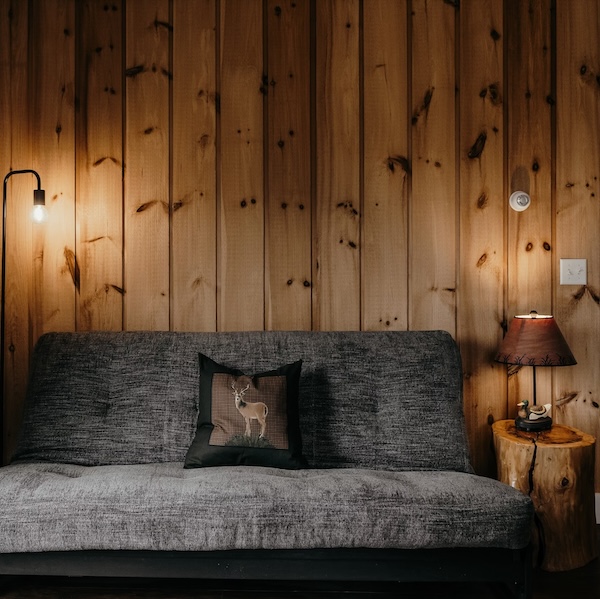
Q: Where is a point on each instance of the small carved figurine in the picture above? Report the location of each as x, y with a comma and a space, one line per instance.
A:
534, 418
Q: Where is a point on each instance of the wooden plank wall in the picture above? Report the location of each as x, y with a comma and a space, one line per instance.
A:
482, 209
302, 164
577, 209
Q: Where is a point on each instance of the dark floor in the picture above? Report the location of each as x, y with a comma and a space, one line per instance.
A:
582, 583
199, 590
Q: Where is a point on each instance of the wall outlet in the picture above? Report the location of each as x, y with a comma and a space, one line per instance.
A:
573, 271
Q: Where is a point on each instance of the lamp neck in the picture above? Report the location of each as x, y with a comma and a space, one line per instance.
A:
22, 172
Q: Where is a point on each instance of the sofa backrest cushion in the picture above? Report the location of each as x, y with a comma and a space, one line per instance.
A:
382, 400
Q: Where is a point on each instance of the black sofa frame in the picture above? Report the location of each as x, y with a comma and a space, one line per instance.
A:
485, 565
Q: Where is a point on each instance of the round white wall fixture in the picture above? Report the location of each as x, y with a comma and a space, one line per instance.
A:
519, 201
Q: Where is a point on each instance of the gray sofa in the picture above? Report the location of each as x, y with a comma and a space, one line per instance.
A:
382, 491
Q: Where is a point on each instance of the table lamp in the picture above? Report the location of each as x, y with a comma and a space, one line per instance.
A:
534, 340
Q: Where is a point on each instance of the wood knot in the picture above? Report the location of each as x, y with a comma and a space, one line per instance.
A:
495, 97
401, 161
477, 148
134, 71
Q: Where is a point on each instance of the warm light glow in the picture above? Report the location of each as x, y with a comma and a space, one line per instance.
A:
39, 214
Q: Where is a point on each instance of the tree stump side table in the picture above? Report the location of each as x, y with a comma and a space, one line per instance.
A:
556, 469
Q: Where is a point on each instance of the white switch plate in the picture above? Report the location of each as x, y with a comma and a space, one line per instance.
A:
573, 271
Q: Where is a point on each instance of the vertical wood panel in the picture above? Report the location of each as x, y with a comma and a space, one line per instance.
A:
99, 165
337, 211
194, 245
386, 167
146, 218
241, 241
288, 210
482, 209
53, 136
577, 388
529, 169
15, 154
433, 237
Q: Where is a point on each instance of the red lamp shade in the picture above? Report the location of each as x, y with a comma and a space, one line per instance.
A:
534, 340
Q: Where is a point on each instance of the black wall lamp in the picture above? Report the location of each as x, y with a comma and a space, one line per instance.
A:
38, 215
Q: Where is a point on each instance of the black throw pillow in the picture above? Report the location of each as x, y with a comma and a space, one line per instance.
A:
247, 420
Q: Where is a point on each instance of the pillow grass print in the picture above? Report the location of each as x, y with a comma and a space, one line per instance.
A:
247, 420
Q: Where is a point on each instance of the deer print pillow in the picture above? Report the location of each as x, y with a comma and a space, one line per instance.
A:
247, 419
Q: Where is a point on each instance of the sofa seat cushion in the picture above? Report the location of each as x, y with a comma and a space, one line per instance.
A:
62, 507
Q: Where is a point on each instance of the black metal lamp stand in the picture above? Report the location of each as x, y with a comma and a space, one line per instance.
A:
39, 201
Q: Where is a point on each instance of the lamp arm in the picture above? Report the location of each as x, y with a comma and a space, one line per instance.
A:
27, 170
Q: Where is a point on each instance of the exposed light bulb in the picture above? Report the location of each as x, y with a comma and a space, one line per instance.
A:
39, 214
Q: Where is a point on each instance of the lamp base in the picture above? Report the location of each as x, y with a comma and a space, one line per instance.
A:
533, 426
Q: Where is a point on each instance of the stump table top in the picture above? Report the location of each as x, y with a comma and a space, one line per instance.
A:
558, 435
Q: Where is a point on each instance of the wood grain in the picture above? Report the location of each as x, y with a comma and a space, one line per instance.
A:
99, 168
577, 388
56, 276
194, 182
387, 168
288, 301
146, 181
336, 223
482, 210
241, 228
433, 212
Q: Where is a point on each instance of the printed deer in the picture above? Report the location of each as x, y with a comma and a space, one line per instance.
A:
250, 411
